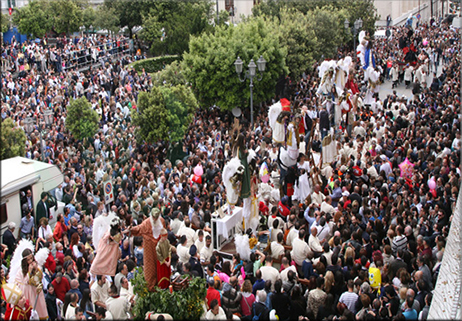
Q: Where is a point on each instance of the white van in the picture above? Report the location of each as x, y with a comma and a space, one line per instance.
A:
19, 175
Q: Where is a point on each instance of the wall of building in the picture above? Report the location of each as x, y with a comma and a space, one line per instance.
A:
400, 10
241, 8
446, 303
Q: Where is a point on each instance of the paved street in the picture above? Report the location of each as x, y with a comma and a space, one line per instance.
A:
385, 88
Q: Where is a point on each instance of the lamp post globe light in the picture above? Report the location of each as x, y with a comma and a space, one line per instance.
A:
251, 74
358, 24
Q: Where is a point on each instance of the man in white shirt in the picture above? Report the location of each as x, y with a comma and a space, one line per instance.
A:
287, 267
277, 249
300, 250
293, 234
317, 197
327, 207
216, 312
207, 251
117, 305
99, 291
188, 231
268, 272
182, 250
313, 241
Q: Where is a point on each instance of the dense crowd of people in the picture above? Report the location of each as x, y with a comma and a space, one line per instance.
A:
366, 243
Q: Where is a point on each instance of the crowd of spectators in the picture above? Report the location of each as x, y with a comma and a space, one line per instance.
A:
62, 54
312, 258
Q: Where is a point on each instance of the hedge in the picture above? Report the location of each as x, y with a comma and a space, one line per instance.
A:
155, 64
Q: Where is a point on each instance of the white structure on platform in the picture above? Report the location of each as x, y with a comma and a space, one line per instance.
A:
447, 301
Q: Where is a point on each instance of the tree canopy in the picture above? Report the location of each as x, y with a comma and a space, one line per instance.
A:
209, 64
351, 9
33, 19
164, 113
82, 121
168, 25
13, 140
4, 23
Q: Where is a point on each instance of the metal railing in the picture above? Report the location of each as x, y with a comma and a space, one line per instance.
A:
81, 59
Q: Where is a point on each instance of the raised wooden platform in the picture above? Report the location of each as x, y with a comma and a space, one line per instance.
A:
228, 250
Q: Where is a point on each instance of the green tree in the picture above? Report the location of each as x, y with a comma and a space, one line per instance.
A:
130, 12
172, 75
326, 22
164, 113
354, 9
107, 19
297, 33
33, 19
89, 16
13, 140
5, 23
168, 25
67, 15
209, 64
82, 121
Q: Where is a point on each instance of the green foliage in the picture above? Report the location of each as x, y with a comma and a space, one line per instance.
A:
209, 65
5, 23
171, 75
181, 305
129, 13
298, 35
67, 15
327, 22
39, 16
164, 113
169, 25
106, 18
13, 140
153, 64
82, 120
33, 18
89, 16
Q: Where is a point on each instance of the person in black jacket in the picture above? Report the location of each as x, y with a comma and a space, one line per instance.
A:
231, 297
324, 123
259, 307
50, 300
9, 239
280, 302
194, 261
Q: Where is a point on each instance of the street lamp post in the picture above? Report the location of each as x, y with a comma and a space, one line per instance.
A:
29, 127
250, 74
356, 27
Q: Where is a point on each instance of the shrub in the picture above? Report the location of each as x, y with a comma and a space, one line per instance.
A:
155, 64
181, 305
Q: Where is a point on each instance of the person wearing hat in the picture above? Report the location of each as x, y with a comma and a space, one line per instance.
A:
150, 229
18, 307
164, 255
194, 261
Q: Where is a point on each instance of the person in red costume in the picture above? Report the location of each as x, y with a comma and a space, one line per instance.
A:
351, 84
18, 307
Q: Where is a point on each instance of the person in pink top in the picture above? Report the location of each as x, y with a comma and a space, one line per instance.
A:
247, 298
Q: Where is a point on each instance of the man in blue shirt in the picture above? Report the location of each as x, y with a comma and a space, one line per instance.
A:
26, 228
410, 313
259, 283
